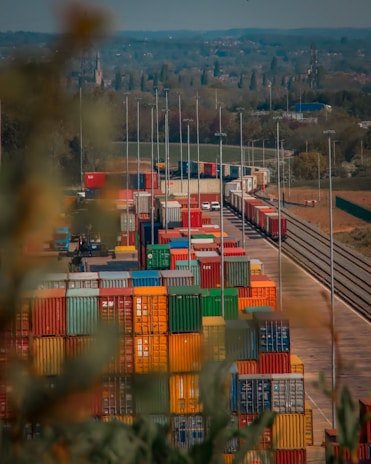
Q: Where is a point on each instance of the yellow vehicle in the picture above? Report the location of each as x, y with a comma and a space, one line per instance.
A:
160, 165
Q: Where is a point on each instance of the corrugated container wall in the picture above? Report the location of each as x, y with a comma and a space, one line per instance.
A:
127, 221
289, 431
273, 333
48, 355
184, 394
241, 340
152, 394
187, 431
151, 353
170, 214
115, 396
147, 278
82, 311
230, 303
195, 268
274, 363
288, 393
158, 256
185, 352
177, 278
214, 343
116, 305
184, 309
254, 393
83, 280
237, 271
48, 308
210, 272
113, 279
150, 310
294, 456
123, 361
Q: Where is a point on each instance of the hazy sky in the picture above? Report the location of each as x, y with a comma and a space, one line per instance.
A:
38, 15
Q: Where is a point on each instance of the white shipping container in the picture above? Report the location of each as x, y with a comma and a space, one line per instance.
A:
288, 393
83, 280
127, 221
142, 201
229, 186
206, 186
171, 213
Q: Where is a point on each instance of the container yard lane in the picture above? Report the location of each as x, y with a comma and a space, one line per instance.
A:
307, 305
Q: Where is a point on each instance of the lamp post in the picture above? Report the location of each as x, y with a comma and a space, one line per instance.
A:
221, 134
264, 152
157, 138
198, 152
189, 193
152, 183
81, 149
270, 96
181, 142
240, 110
127, 165
330, 132
252, 151
138, 156
166, 156
319, 176
279, 216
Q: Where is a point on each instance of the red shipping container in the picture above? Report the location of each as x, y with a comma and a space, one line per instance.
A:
205, 247
290, 456
362, 451
195, 217
123, 194
274, 363
228, 242
129, 239
14, 347
20, 325
249, 207
123, 361
184, 202
243, 292
116, 305
143, 258
5, 401
77, 346
206, 220
48, 309
233, 251
95, 180
210, 272
365, 410
273, 227
261, 214
114, 397
209, 169
165, 237
266, 438
180, 254
247, 367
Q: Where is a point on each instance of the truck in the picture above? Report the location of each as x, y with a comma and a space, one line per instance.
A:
61, 238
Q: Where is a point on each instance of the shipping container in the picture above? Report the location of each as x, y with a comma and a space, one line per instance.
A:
208, 188
48, 355
122, 362
179, 243
230, 303
53, 280
297, 365
214, 339
308, 424
365, 419
150, 310
142, 202
233, 444
78, 280
237, 270
123, 419
185, 309
273, 226
185, 352
184, 394
235, 251
82, 311
113, 279
187, 431
210, 272
195, 215
115, 396
170, 214
78, 346
254, 393
288, 431
256, 267
151, 353
147, 278
129, 239
257, 457
247, 367
116, 305
241, 339
145, 231
291, 456
177, 278
263, 287
180, 255
265, 442
95, 180
210, 170
6, 410
165, 237
274, 363
158, 257
127, 221
151, 394
204, 247
288, 393
273, 333
48, 308
195, 268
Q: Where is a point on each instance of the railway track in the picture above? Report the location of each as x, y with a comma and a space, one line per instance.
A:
309, 247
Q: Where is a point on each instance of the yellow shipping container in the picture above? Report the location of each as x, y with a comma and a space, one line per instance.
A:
288, 431
308, 424
150, 353
185, 352
244, 302
213, 346
48, 355
297, 365
123, 419
256, 267
228, 458
184, 394
257, 457
150, 308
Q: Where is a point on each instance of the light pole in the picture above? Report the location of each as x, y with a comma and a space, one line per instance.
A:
263, 152
81, 149
252, 151
240, 110
152, 183
198, 152
330, 132
319, 176
181, 143
270, 96
221, 134
279, 217
166, 156
157, 139
127, 165
189, 193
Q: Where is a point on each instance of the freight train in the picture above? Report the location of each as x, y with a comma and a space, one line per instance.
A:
258, 213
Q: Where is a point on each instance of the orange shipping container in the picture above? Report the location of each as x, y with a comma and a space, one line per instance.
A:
150, 353
179, 254
288, 431
77, 346
245, 302
48, 355
263, 288
150, 310
297, 365
123, 361
213, 344
247, 367
185, 352
184, 394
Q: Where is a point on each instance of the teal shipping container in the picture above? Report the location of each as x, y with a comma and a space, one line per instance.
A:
152, 394
237, 271
241, 340
213, 306
195, 268
185, 309
82, 311
158, 257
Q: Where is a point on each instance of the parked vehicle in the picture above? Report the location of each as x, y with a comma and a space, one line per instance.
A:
61, 239
215, 206
205, 206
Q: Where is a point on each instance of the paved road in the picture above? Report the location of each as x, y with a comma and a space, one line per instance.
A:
307, 304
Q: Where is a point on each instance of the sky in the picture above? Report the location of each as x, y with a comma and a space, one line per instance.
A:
197, 15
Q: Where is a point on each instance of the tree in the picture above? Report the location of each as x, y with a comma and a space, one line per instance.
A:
216, 68
204, 78
142, 83
252, 85
240, 84
131, 84
118, 80
274, 66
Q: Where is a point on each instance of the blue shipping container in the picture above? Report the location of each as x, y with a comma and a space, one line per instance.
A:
145, 233
187, 431
254, 393
273, 333
146, 278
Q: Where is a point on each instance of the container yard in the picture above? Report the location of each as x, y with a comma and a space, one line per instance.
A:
175, 315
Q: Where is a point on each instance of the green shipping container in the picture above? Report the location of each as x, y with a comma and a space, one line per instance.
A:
203, 236
195, 268
237, 271
258, 309
230, 303
82, 311
185, 309
151, 394
158, 257
206, 303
